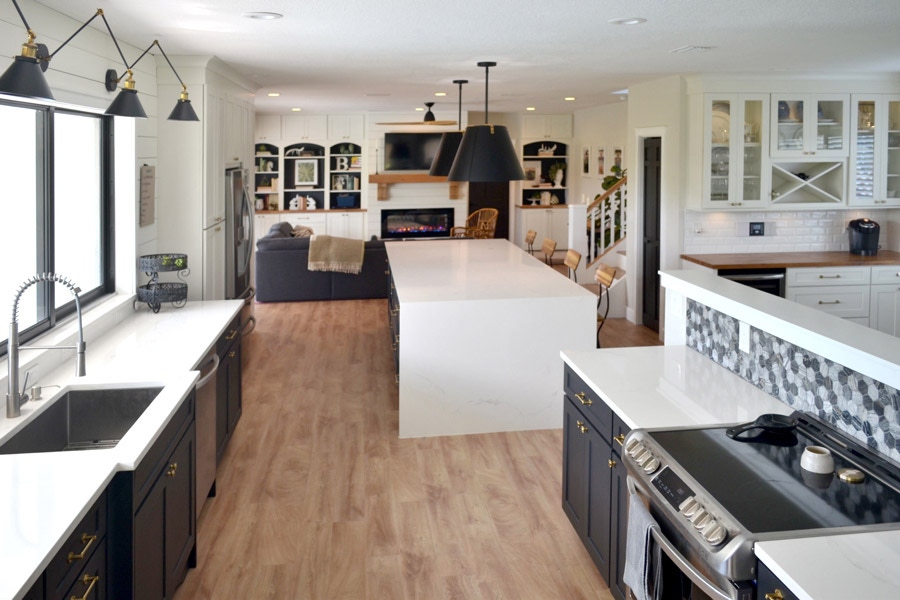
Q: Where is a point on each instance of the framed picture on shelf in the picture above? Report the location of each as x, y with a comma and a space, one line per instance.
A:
532, 170
586, 160
306, 172
600, 167
355, 163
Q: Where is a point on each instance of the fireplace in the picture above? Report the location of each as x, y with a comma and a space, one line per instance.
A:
416, 223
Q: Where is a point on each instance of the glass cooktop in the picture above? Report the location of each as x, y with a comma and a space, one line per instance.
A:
762, 485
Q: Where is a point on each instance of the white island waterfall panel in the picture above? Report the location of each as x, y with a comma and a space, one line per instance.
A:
482, 324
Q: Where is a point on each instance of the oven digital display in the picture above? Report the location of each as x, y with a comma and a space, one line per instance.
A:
673, 489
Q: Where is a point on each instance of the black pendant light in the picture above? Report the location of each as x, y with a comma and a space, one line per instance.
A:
450, 141
429, 116
486, 153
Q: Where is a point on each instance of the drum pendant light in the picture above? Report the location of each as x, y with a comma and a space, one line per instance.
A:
450, 141
486, 153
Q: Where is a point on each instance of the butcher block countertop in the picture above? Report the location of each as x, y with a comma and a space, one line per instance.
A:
792, 259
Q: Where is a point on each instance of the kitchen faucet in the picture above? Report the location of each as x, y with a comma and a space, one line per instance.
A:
15, 400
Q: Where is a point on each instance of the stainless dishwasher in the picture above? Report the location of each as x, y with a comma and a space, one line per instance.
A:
206, 427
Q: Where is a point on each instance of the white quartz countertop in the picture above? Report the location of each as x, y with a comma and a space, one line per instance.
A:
44, 496
670, 386
856, 565
454, 270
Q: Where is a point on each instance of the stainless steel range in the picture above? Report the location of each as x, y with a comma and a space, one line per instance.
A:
715, 495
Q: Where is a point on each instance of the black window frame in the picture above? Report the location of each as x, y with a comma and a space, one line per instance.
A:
45, 219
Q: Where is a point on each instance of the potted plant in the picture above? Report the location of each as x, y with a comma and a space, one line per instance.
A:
557, 169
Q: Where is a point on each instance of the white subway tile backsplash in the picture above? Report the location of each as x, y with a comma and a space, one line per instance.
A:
788, 231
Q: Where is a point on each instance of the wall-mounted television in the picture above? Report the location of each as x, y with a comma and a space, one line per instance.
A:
410, 151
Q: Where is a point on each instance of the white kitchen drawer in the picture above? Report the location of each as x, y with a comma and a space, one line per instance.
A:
886, 274
317, 221
822, 276
843, 301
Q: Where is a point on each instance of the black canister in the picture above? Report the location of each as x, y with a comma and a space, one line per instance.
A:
863, 237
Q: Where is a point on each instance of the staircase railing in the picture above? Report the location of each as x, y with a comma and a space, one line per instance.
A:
606, 224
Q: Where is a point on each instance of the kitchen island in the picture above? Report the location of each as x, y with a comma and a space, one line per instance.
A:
481, 326
44, 496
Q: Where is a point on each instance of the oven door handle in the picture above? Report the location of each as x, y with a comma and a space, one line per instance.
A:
680, 561
757, 277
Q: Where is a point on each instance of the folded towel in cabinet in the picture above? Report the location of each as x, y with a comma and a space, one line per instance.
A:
643, 567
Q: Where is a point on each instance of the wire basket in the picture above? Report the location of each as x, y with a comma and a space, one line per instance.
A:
154, 294
152, 263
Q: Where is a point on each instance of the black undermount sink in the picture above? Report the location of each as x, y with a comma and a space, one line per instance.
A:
82, 420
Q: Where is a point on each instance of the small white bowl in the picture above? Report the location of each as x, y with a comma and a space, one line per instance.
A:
817, 459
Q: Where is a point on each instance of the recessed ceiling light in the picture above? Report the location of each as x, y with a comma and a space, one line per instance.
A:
419, 109
273, 94
569, 98
530, 108
627, 21
262, 16
440, 94
296, 109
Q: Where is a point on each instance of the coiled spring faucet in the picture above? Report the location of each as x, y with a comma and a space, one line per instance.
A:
14, 399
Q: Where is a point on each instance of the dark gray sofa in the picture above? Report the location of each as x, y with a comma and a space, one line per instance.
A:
282, 276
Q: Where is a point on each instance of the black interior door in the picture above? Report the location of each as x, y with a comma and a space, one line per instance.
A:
651, 187
492, 195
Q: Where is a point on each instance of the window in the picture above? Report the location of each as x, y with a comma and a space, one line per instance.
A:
55, 211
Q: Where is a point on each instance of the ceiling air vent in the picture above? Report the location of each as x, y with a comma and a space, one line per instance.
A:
687, 49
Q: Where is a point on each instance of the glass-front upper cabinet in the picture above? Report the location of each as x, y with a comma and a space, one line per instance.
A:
875, 151
805, 125
734, 176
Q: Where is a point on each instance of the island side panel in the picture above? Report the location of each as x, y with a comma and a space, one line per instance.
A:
481, 366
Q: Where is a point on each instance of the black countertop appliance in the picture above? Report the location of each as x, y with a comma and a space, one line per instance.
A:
863, 237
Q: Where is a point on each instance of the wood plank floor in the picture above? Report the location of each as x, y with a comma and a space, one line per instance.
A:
319, 499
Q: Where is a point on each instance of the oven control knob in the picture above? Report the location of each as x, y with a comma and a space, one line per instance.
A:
642, 456
636, 449
651, 465
700, 518
714, 533
689, 506
632, 443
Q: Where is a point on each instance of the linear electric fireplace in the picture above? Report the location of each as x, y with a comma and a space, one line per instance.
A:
416, 223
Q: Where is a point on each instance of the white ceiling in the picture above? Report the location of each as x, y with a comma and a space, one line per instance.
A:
393, 55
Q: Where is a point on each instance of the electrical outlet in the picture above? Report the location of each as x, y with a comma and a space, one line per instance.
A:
744, 337
757, 228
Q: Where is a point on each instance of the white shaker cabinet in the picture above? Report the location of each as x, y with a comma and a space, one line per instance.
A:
840, 291
548, 222
735, 134
346, 224
549, 127
346, 128
810, 125
875, 151
884, 308
304, 127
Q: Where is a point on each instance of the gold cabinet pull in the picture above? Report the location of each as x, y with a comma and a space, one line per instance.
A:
581, 426
584, 401
620, 439
172, 468
86, 539
776, 595
90, 581
231, 335
232, 354
611, 463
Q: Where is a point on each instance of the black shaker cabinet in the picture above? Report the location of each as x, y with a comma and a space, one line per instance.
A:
594, 494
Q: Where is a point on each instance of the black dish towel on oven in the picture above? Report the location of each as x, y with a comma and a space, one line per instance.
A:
643, 567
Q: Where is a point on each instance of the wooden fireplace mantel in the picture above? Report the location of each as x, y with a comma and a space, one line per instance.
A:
385, 180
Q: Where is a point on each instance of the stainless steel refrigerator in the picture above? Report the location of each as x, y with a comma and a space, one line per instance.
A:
238, 234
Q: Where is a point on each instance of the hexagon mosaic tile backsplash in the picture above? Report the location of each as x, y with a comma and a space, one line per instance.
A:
857, 405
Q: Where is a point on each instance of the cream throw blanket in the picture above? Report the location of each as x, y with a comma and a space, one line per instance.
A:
342, 255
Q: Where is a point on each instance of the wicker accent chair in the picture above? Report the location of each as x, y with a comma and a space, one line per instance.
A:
481, 224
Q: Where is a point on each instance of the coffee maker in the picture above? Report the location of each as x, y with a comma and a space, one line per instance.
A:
863, 237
